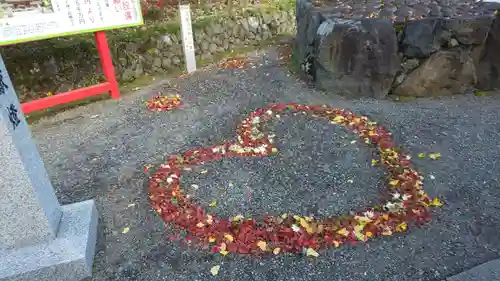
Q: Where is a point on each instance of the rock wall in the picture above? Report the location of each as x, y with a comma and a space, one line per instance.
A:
58, 65
360, 53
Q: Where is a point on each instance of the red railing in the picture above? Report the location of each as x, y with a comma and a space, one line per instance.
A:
110, 86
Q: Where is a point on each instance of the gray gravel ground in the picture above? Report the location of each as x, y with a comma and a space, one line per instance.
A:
98, 151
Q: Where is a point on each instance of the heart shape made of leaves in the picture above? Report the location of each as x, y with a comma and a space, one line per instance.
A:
405, 201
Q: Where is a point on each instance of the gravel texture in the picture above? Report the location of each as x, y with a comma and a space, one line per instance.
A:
401, 10
98, 151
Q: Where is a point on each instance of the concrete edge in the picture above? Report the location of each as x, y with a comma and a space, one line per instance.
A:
69, 257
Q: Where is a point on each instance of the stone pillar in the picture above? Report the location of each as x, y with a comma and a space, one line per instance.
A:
39, 239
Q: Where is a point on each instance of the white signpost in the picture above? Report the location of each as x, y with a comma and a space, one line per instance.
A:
39, 239
51, 18
187, 37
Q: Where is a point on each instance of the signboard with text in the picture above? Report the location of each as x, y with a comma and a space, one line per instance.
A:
187, 37
30, 20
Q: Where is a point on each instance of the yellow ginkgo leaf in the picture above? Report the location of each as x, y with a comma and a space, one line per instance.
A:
374, 162
305, 225
126, 230
401, 227
238, 218
274, 150
223, 252
336, 244
435, 156
343, 231
359, 227
360, 236
276, 251
358, 232
436, 202
215, 270
311, 253
262, 245
421, 155
203, 172
362, 219
284, 216
211, 239
229, 237
393, 182
213, 204
338, 119
368, 234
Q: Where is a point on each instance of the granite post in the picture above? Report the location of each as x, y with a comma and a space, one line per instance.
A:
187, 37
39, 239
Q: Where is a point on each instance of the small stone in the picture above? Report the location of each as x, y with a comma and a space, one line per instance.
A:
176, 60
166, 63
399, 79
167, 40
157, 62
128, 74
245, 25
206, 56
253, 23
447, 11
139, 70
217, 29
205, 45
453, 43
212, 48
410, 64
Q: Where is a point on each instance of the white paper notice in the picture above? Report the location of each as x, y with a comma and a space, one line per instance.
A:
187, 37
45, 19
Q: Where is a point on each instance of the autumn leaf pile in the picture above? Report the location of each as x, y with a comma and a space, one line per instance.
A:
234, 63
405, 202
163, 102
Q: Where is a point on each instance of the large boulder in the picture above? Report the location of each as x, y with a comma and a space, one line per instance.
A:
421, 38
308, 20
446, 72
487, 59
357, 58
361, 50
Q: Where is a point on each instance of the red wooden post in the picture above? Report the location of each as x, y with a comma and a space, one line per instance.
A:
107, 63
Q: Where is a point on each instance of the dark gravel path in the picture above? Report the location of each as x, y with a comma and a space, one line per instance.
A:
99, 151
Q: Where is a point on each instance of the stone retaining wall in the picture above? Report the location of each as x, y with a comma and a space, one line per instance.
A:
373, 48
61, 64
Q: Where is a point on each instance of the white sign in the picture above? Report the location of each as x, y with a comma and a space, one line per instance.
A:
29, 20
187, 37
